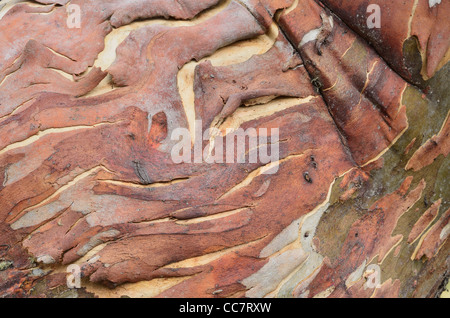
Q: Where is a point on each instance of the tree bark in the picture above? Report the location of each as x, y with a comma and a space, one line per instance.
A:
93, 94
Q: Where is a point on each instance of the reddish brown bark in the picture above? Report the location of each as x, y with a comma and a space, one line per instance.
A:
87, 175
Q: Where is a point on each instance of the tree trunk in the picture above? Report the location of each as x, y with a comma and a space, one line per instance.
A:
315, 163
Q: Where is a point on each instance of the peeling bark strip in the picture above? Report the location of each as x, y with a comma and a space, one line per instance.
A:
363, 94
359, 205
438, 145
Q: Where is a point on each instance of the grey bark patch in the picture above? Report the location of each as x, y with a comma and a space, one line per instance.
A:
4, 265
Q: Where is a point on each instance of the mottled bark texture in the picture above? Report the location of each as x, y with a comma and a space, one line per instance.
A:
86, 174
